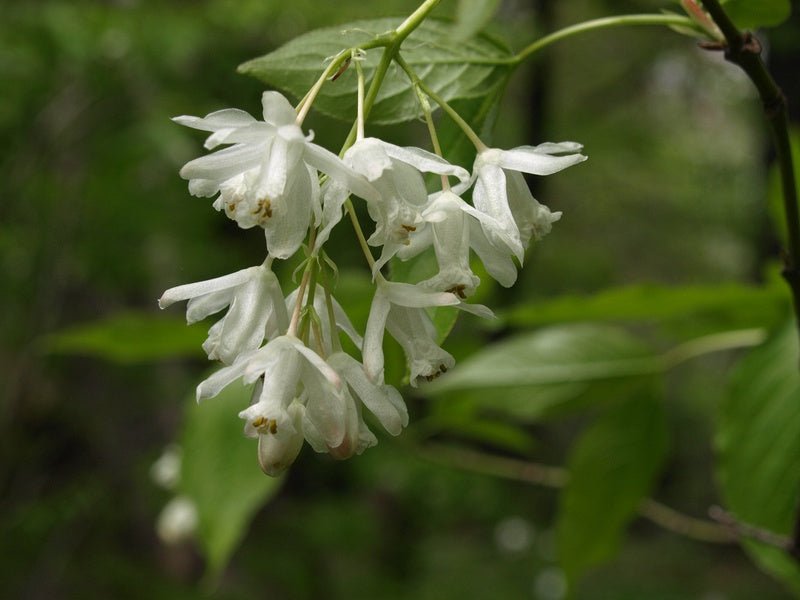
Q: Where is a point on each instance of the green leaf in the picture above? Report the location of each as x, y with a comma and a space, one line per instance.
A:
472, 16
612, 468
546, 373
750, 14
731, 303
565, 355
220, 473
451, 67
502, 436
128, 338
758, 440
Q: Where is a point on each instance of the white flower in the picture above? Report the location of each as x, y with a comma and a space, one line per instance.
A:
455, 227
397, 175
297, 392
177, 521
383, 401
269, 176
501, 192
166, 470
257, 310
400, 308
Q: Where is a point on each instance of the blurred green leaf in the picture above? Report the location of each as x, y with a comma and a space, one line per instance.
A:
724, 302
453, 68
220, 473
543, 374
568, 355
758, 440
750, 14
612, 468
472, 16
128, 337
503, 436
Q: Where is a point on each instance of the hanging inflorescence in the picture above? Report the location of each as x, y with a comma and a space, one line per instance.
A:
271, 175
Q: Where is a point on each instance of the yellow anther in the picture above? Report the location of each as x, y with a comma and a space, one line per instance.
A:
458, 290
263, 209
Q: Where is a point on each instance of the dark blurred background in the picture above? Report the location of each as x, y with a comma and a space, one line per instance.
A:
95, 222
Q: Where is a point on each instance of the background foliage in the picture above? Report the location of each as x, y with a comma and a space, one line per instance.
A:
665, 237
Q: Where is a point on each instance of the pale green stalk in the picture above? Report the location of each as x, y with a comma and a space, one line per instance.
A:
604, 23
451, 112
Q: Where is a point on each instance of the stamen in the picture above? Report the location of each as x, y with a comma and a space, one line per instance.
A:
263, 210
458, 290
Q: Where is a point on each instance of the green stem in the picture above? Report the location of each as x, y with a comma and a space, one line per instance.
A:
362, 240
604, 23
451, 112
744, 50
413, 21
437, 147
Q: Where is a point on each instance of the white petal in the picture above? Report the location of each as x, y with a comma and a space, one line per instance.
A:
276, 452
277, 109
333, 199
222, 119
221, 379
274, 173
372, 350
413, 296
489, 195
531, 160
325, 407
316, 361
479, 310
368, 157
203, 188
246, 320
534, 219
376, 398
497, 261
191, 290
255, 133
291, 216
557, 147
223, 164
201, 307
426, 161
330, 164
419, 241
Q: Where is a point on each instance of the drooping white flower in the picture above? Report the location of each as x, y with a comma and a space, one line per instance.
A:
360, 392
382, 400
454, 228
400, 309
501, 192
177, 521
396, 173
298, 395
268, 177
256, 310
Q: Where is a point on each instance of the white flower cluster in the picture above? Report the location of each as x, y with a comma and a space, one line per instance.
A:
306, 387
